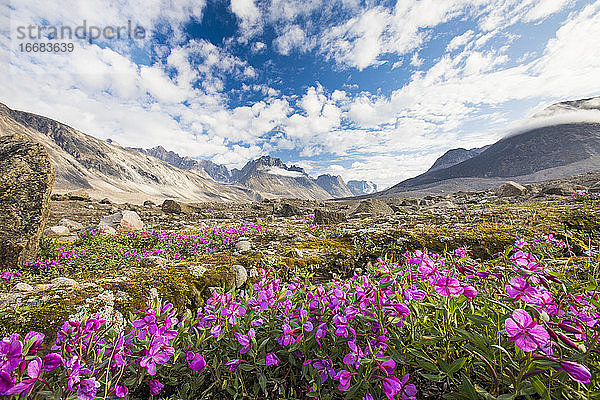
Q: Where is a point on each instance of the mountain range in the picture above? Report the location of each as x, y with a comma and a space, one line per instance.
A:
536, 154
106, 169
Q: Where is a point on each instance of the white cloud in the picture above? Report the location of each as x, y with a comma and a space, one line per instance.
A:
293, 38
249, 16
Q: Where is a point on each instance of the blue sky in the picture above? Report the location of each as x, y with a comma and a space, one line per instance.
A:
372, 90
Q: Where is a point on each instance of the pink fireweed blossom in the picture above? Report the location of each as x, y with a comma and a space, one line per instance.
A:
343, 377
519, 288
197, 362
232, 312
578, 372
525, 332
286, 338
233, 364
158, 353
354, 356
448, 286
271, 360
10, 353
245, 340
145, 325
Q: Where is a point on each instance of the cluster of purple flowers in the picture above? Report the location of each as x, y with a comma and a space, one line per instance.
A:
8, 275
66, 257
343, 336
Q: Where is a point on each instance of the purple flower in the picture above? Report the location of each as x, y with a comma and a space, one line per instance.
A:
197, 362
448, 286
233, 364
325, 369
286, 338
343, 377
257, 322
145, 325
519, 288
155, 387
388, 366
391, 386
34, 368
578, 372
354, 356
6, 382
38, 339
409, 390
321, 332
51, 361
159, 353
232, 312
271, 359
10, 353
121, 391
215, 331
244, 340
87, 389
525, 332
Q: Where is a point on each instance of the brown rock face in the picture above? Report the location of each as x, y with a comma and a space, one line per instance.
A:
26, 179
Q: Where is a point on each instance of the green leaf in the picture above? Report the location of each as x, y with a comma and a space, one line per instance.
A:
540, 388
434, 378
262, 381
478, 319
456, 365
429, 366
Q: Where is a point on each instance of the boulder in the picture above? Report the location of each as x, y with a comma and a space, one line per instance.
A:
287, 210
123, 221
25, 188
373, 207
72, 225
239, 276
152, 261
561, 189
243, 245
80, 194
56, 231
62, 282
511, 189
324, 217
149, 203
595, 188
105, 200
109, 230
175, 207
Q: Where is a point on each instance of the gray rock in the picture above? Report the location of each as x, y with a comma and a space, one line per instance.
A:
243, 246
287, 210
21, 287
324, 217
72, 225
561, 189
175, 207
510, 189
105, 200
595, 188
374, 207
25, 188
80, 194
62, 282
56, 231
123, 221
152, 261
240, 275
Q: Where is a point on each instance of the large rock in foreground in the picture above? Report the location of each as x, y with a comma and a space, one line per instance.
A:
26, 182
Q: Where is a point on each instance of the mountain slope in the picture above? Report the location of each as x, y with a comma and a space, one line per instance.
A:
271, 177
334, 185
109, 170
359, 188
523, 154
455, 156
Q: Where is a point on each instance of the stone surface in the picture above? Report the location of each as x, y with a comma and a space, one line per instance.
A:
510, 189
25, 188
239, 276
287, 210
325, 217
63, 282
561, 189
80, 194
22, 287
56, 231
243, 245
373, 207
123, 221
72, 225
595, 188
176, 207
109, 230
152, 261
